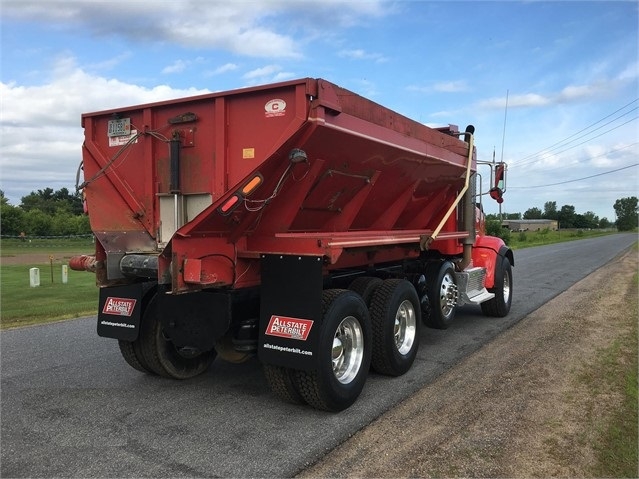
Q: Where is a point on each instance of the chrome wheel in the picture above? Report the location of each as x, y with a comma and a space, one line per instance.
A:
348, 350
506, 288
405, 327
442, 294
448, 294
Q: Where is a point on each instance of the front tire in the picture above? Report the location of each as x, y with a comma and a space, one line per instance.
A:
499, 306
344, 353
395, 316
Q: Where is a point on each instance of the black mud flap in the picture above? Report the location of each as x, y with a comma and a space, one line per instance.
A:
195, 319
119, 312
290, 310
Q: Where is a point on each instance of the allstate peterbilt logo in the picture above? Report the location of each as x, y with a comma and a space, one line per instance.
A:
119, 306
290, 328
275, 107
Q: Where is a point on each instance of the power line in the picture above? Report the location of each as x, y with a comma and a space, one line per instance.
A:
592, 138
565, 140
609, 152
585, 141
578, 179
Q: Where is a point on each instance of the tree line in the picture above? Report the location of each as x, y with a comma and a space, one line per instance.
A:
44, 213
61, 213
626, 212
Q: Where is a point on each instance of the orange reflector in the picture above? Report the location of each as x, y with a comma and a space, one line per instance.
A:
251, 185
230, 203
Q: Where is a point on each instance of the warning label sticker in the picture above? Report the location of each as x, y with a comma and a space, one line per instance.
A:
124, 139
119, 306
290, 328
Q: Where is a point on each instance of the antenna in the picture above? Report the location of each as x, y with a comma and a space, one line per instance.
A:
503, 140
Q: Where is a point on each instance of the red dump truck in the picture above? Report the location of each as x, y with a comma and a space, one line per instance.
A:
297, 221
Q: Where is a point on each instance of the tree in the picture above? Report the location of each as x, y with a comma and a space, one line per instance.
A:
532, 214
38, 223
49, 201
627, 213
566, 216
12, 221
587, 221
550, 210
604, 223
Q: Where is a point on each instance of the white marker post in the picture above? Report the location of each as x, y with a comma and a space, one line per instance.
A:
34, 277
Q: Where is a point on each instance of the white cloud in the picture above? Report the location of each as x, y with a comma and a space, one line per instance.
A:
178, 66
267, 74
359, 54
227, 67
453, 86
256, 29
40, 126
630, 73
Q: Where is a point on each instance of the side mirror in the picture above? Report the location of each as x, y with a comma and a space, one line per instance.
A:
499, 185
500, 176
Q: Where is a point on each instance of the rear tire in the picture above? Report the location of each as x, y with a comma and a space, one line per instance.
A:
132, 355
282, 383
442, 294
344, 353
499, 306
365, 286
162, 356
396, 319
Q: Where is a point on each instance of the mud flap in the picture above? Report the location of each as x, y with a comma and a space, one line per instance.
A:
119, 312
195, 319
290, 310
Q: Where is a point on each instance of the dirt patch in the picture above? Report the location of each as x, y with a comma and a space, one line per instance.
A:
515, 408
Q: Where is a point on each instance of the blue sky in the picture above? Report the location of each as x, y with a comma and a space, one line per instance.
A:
568, 69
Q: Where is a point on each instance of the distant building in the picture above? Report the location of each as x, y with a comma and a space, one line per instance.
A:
530, 225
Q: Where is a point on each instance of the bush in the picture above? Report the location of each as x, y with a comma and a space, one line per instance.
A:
494, 228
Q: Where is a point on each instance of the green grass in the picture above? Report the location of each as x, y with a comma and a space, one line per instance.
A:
526, 239
617, 443
15, 246
23, 305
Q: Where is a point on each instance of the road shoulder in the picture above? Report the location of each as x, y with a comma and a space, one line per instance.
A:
516, 407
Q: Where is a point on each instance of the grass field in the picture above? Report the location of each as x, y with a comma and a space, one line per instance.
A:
14, 246
22, 305
51, 301
527, 239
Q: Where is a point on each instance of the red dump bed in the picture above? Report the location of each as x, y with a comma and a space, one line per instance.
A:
302, 167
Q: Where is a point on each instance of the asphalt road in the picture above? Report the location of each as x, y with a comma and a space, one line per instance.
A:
71, 407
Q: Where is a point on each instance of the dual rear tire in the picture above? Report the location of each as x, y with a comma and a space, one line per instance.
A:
153, 351
374, 323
